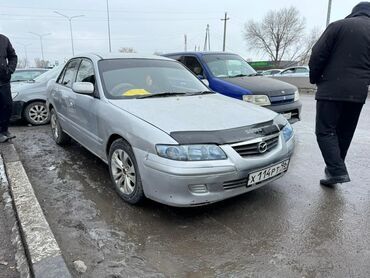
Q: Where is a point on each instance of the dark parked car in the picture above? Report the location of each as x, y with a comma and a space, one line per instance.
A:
29, 98
230, 75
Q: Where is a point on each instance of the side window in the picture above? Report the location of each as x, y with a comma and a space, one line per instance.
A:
301, 70
60, 78
70, 73
193, 64
176, 57
86, 72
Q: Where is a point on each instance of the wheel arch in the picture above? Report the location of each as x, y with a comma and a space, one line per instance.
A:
111, 139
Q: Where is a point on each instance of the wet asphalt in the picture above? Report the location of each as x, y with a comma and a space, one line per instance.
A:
292, 227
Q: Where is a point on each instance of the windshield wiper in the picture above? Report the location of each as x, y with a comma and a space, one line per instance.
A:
238, 75
199, 93
163, 94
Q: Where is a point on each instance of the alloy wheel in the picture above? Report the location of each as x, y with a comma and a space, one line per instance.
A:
123, 171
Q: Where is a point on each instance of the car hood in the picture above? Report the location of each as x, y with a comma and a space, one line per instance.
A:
24, 86
195, 113
262, 85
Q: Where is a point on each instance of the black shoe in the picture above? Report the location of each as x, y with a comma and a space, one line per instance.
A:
9, 135
3, 138
332, 180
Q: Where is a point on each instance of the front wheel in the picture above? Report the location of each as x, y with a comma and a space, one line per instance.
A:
36, 113
124, 172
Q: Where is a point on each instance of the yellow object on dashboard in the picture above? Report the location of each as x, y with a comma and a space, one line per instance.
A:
135, 92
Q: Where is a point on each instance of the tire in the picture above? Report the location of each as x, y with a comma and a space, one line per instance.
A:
59, 136
124, 172
36, 113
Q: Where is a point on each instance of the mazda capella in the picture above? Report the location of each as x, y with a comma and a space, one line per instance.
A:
164, 135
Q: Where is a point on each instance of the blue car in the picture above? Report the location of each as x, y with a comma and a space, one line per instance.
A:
230, 75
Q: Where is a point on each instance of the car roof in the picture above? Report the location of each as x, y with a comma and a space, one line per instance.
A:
118, 55
200, 53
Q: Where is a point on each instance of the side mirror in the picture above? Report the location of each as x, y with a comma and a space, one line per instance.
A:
85, 88
205, 82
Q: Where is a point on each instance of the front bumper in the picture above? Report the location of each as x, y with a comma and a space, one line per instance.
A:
17, 110
169, 182
293, 107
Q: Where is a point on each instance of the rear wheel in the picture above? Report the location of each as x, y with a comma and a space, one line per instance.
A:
124, 172
36, 113
59, 136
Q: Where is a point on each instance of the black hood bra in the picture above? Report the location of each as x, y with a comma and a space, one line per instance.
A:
361, 9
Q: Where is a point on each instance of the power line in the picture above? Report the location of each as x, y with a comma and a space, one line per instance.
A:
114, 11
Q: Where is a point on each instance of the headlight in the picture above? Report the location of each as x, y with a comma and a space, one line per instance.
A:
284, 126
287, 132
191, 152
14, 95
296, 95
261, 100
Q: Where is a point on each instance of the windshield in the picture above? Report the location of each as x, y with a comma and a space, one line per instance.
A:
138, 78
228, 65
50, 74
25, 75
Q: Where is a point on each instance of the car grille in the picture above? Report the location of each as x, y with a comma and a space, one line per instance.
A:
276, 100
252, 147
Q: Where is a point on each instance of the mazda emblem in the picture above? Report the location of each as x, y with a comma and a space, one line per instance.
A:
262, 147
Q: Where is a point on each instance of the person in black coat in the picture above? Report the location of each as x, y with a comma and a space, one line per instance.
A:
340, 67
8, 63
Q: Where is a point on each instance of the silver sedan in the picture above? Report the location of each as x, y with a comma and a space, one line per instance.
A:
164, 135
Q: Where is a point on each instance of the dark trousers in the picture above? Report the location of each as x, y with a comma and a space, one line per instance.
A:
336, 123
6, 103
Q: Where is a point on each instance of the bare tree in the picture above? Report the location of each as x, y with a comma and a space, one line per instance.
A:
41, 63
22, 63
307, 45
127, 50
278, 35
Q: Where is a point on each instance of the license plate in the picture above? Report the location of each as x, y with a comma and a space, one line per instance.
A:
288, 116
267, 173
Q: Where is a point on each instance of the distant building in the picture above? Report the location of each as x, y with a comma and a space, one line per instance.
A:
265, 65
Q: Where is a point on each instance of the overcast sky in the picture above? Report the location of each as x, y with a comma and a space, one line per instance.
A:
145, 25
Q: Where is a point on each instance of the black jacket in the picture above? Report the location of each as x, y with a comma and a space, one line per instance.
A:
8, 60
340, 60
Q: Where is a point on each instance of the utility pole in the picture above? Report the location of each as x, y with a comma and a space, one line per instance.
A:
109, 40
185, 42
209, 38
70, 26
329, 13
206, 40
225, 19
41, 36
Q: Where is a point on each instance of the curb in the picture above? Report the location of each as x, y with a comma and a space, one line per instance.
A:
42, 250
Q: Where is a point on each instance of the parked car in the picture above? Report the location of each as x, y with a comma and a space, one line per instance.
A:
300, 71
230, 75
164, 135
29, 98
21, 75
271, 72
